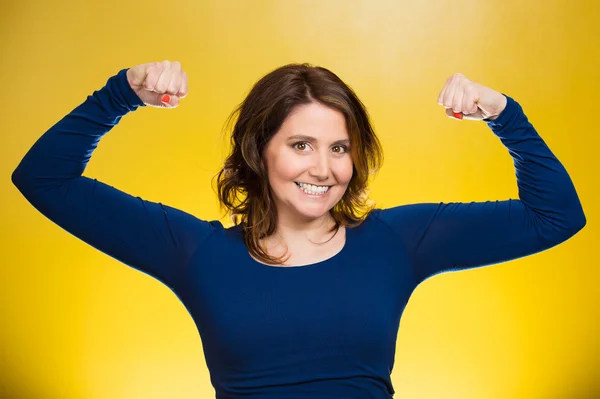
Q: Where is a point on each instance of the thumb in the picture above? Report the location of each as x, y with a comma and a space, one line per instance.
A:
167, 100
455, 115
475, 116
159, 100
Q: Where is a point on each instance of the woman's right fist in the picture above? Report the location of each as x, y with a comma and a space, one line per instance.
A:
160, 84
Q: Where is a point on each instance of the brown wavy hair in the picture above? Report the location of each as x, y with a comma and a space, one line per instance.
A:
242, 185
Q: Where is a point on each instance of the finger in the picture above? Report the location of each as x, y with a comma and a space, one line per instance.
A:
183, 89
443, 92
470, 101
449, 95
175, 81
153, 73
457, 100
137, 75
165, 77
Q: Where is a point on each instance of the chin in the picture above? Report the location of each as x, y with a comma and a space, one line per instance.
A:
311, 214
311, 210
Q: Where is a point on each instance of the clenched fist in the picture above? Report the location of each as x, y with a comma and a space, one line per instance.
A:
463, 98
160, 84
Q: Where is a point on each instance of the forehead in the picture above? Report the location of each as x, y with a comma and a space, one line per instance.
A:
316, 120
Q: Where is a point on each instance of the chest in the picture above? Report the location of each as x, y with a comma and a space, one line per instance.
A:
349, 305
307, 252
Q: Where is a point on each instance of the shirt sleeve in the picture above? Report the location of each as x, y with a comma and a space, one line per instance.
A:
442, 237
148, 236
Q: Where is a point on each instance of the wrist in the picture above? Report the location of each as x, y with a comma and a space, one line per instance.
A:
499, 111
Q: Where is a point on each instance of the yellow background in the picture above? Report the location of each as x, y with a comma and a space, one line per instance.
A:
77, 324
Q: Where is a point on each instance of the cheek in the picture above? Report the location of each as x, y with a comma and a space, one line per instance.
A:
285, 168
343, 171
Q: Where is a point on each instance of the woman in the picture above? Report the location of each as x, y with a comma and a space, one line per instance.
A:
302, 298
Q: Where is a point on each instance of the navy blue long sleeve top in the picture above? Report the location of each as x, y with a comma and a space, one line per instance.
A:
324, 330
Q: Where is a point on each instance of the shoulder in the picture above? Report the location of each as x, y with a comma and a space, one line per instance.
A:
406, 217
384, 219
398, 213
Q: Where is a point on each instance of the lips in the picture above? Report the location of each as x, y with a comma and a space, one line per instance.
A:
313, 190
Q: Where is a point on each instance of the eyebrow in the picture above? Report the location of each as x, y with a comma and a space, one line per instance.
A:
312, 139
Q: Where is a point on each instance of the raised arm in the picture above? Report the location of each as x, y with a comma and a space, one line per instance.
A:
442, 237
149, 236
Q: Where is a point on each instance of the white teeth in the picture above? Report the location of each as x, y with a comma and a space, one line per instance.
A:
311, 189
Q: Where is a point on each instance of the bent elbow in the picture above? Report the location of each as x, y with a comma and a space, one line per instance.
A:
17, 178
23, 180
579, 223
574, 224
577, 219
555, 230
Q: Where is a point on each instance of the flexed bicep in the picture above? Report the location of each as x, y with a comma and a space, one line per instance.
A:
149, 236
453, 236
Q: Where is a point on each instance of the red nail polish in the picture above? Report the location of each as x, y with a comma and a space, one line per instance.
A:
458, 115
166, 98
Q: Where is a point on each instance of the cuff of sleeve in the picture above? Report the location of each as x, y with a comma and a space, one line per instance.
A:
511, 115
123, 94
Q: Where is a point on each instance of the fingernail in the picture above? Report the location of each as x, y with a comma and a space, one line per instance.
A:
166, 98
458, 115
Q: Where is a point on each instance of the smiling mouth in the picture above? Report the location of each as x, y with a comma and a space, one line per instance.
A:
312, 189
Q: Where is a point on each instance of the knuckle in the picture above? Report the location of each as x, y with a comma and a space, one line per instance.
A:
153, 70
149, 82
160, 87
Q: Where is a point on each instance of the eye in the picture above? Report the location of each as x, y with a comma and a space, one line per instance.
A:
340, 149
301, 146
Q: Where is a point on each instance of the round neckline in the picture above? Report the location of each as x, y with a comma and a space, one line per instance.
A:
314, 265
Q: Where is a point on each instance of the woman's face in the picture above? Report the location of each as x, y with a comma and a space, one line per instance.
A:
308, 162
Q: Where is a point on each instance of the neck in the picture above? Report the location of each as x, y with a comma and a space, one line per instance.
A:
294, 229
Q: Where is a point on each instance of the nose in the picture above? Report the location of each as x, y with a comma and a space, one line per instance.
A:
320, 167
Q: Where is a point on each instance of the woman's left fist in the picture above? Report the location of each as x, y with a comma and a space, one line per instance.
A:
463, 98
